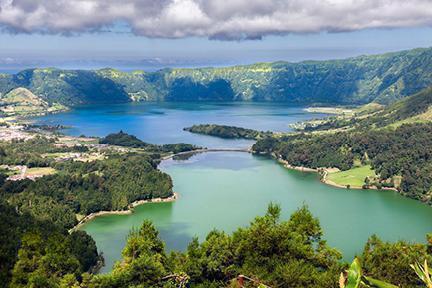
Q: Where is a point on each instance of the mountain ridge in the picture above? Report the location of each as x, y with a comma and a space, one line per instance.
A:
381, 78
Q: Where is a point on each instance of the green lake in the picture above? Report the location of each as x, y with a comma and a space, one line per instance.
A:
225, 190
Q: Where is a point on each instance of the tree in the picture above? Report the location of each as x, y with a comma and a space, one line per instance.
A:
390, 261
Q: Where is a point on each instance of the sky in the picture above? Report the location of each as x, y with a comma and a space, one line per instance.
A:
144, 34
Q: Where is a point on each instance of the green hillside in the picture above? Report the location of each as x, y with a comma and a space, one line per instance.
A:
416, 108
71, 87
21, 101
360, 80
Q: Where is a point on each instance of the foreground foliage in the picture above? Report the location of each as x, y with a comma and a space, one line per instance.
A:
280, 254
37, 253
271, 252
424, 273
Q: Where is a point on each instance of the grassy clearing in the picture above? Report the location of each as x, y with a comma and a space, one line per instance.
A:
354, 177
56, 155
77, 140
40, 171
91, 157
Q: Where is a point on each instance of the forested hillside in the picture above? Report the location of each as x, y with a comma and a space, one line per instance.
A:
36, 249
21, 101
412, 109
394, 141
381, 78
37, 253
110, 182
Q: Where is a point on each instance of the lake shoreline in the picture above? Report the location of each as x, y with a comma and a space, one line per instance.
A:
329, 110
323, 172
130, 209
134, 204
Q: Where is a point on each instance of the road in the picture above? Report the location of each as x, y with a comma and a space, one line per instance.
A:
208, 150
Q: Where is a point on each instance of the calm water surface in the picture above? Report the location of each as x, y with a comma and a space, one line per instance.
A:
163, 123
227, 190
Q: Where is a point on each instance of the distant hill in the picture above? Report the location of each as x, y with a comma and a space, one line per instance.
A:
378, 78
21, 101
23, 96
415, 108
68, 87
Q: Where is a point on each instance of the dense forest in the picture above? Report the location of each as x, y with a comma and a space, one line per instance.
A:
35, 252
230, 132
35, 214
380, 78
79, 187
269, 251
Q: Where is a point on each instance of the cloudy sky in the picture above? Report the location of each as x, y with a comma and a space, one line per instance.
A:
146, 33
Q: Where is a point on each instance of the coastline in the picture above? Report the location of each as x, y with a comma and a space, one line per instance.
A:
329, 110
28, 118
130, 209
297, 168
323, 172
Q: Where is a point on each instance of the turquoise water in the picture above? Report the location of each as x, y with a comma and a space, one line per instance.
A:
225, 190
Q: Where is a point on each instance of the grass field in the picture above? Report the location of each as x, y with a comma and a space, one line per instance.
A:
56, 155
40, 171
354, 177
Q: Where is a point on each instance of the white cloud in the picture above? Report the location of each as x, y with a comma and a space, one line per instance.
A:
223, 19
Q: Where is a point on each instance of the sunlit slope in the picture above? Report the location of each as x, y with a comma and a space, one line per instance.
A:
412, 109
21, 101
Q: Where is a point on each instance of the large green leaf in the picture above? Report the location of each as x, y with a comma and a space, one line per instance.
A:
377, 283
423, 272
354, 275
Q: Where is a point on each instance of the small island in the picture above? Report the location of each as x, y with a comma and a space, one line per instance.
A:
228, 132
126, 140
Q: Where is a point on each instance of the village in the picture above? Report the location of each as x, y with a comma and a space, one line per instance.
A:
11, 132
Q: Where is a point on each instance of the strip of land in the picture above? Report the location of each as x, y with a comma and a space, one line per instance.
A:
130, 210
350, 179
